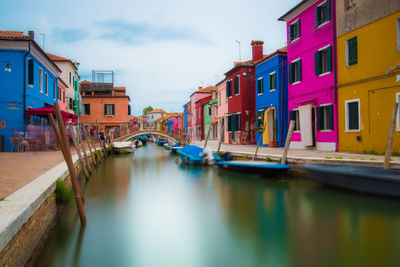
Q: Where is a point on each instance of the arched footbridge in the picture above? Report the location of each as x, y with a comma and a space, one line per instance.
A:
173, 138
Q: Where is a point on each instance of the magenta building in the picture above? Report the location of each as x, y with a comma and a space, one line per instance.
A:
311, 54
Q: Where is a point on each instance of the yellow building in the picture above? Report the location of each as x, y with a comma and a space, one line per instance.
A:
368, 67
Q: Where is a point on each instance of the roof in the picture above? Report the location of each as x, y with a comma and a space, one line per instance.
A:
14, 35
284, 16
57, 58
280, 51
205, 90
157, 110
120, 88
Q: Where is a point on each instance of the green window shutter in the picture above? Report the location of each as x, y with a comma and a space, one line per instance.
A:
330, 117
292, 115
352, 50
262, 86
317, 16
298, 28
290, 33
299, 69
317, 60
291, 72
270, 82
328, 9
353, 116
355, 50
113, 109
239, 122
320, 118
330, 58
88, 109
105, 109
275, 86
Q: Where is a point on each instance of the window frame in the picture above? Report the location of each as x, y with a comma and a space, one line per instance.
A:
33, 72
41, 80
113, 109
229, 91
46, 83
398, 34
262, 86
297, 62
348, 52
297, 37
238, 84
269, 77
54, 90
347, 115
327, 18
329, 60
325, 114
398, 112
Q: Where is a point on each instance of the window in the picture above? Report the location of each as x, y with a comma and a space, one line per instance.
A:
295, 116
398, 34
219, 98
64, 97
294, 30
46, 84
109, 109
398, 112
351, 51
54, 89
234, 123
237, 85
70, 78
129, 110
325, 117
352, 115
323, 60
30, 71
272, 81
295, 71
70, 104
229, 88
349, 4
41, 80
214, 131
86, 109
198, 131
260, 118
59, 93
260, 86
323, 13
209, 111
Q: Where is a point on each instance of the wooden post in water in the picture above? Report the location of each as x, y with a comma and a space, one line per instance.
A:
208, 135
78, 151
94, 148
287, 143
94, 159
259, 140
221, 133
388, 153
83, 149
71, 167
102, 142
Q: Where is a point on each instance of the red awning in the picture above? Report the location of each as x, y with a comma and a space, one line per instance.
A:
43, 112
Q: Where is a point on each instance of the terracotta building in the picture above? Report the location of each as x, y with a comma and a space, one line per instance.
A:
106, 105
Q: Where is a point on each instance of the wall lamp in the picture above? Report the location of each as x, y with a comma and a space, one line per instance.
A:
7, 67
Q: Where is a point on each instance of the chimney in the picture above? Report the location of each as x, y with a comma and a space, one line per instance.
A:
198, 88
31, 34
257, 50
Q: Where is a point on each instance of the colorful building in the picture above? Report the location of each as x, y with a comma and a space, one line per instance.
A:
271, 95
208, 112
240, 86
152, 116
70, 77
311, 62
106, 106
61, 94
199, 123
195, 114
186, 116
222, 110
368, 56
181, 124
28, 80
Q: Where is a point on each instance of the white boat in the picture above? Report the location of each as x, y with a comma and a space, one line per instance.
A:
123, 147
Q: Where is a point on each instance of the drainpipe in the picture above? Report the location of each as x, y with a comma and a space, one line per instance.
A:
335, 70
282, 98
248, 104
24, 86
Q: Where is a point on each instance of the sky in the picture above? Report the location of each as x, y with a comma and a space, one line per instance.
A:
162, 51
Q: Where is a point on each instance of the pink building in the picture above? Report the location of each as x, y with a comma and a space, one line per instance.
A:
196, 114
311, 55
175, 125
222, 110
61, 94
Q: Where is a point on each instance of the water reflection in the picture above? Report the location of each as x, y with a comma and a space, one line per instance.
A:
147, 210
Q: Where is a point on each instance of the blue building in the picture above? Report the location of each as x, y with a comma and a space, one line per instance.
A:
28, 80
272, 97
185, 116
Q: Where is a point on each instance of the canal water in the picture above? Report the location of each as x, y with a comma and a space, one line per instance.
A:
147, 210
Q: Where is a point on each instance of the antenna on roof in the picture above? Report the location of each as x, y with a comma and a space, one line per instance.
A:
240, 56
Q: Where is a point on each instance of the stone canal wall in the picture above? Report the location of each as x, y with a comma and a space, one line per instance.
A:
28, 214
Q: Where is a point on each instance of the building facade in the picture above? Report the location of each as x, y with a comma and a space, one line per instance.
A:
222, 110
153, 115
311, 62
271, 97
195, 114
368, 73
28, 79
208, 112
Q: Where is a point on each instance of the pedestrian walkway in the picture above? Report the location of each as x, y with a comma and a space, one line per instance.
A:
304, 156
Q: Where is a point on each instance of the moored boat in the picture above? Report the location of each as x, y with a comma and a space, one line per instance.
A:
123, 147
370, 180
254, 167
196, 155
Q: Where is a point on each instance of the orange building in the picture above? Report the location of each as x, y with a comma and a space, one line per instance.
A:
106, 105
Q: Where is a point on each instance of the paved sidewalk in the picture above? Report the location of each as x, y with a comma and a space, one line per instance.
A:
304, 156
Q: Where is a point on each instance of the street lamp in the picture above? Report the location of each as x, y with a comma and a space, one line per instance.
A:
7, 68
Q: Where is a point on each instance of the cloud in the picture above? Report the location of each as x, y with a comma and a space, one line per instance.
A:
134, 33
69, 35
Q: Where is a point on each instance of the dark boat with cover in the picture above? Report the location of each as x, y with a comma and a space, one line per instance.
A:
255, 167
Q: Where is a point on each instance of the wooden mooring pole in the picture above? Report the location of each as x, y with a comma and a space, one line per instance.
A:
388, 153
78, 130
94, 159
78, 151
102, 142
208, 135
287, 143
71, 167
94, 148
221, 133
259, 140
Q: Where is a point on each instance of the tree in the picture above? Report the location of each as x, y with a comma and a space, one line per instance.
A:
147, 109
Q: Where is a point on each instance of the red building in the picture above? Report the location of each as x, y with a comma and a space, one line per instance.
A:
199, 106
240, 92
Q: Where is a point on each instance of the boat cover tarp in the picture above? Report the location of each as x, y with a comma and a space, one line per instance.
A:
255, 164
192, 151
